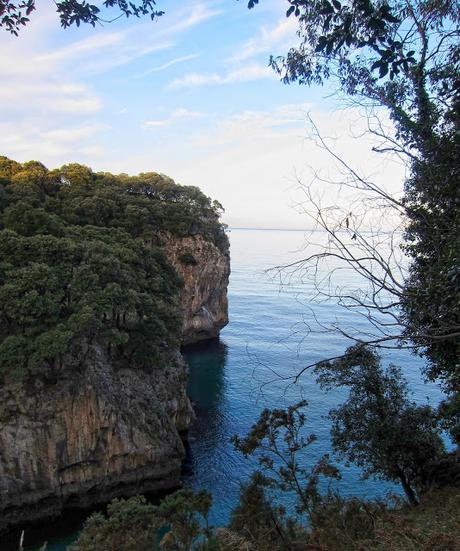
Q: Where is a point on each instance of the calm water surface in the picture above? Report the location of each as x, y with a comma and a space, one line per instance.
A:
233, 378
266, 341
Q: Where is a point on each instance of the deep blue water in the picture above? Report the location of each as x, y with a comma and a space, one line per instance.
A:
247, 369
233, 378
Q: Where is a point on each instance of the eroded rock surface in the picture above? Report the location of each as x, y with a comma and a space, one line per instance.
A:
205, 270
95, 433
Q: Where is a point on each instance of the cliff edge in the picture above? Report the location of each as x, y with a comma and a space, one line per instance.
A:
205, 270
103, 277
97, 431
94, 434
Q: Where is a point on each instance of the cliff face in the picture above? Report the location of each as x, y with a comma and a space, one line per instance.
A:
94, 434
205, 270
96, 431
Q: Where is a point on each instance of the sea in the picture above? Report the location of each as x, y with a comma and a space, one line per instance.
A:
278, 326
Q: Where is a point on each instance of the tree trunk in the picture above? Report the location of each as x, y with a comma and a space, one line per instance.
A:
410, 494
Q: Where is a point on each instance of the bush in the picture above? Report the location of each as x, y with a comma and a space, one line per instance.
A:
188, 259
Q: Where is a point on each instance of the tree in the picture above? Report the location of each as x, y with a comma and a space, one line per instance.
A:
129, 525
81, 262
377, 427
15, 14
401, 57
185, 515
179, 523
261, 524
277, 439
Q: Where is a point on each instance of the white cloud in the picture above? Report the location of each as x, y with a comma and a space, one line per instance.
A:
168, 64
176, 115
93, 45
199, 13
92, 152
98, 54
244, 74
186, 113
72, 135
50, 143
103, 50
282, 35
157, 123
77, 106
260, 126
50, 96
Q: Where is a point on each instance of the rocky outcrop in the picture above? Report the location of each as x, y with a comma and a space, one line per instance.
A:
205, 270
94, 434
94, 431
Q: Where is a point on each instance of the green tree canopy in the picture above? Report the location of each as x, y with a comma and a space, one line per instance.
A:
378, 428
81, 259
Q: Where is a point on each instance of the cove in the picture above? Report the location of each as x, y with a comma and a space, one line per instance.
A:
233, 378
266, 342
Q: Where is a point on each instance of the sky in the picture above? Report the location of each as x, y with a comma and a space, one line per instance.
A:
189, 95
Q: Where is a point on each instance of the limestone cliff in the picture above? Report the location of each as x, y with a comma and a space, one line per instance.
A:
93, 434
205, 270
93, 430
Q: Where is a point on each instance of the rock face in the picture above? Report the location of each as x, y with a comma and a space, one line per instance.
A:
205, 270
96, 432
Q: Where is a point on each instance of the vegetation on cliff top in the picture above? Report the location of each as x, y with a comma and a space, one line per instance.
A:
81, 257
340, 525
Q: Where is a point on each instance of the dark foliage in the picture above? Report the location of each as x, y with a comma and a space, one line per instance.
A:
129, 525
431, 300
262, 524
378, 428
179, 523
15, 14
80, 256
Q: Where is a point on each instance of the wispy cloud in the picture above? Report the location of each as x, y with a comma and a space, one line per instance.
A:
262, 126
198, 14
106, 50
170, 63
50, 143
243, 74
176, 115
99, 54
93, 45
50, 96
73, 134
268, 40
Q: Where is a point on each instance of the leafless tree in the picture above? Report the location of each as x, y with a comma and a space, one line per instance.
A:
355, 258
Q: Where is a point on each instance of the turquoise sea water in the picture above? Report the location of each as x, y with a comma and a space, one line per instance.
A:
265, 343
233, 378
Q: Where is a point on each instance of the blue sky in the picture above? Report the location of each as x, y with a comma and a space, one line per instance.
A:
189, 95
